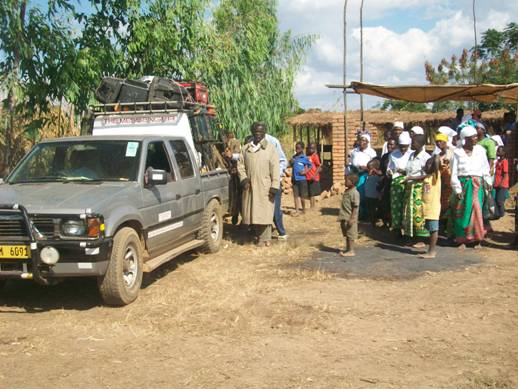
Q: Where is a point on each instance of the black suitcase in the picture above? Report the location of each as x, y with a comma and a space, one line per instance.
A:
108, 90
134, 91
163, 89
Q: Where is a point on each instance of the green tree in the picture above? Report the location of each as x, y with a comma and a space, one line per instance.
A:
494, 61
399, 105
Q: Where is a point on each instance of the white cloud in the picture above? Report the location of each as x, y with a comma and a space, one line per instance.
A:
434, 29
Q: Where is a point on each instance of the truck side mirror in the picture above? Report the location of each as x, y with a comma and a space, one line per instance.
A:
155, 177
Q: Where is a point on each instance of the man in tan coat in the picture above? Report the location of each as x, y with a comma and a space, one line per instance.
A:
259, 175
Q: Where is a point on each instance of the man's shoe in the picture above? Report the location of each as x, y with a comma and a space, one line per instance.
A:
282, 237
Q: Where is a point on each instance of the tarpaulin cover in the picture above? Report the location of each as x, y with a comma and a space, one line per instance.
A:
485, 93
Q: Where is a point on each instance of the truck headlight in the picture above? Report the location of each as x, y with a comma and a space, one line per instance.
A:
73, 228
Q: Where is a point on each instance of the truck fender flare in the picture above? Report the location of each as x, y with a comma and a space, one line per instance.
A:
121, 216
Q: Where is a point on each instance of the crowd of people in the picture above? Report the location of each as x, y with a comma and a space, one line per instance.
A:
457, 187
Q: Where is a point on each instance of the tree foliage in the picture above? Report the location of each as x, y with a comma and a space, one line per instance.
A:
57, 53
399, 105
494, 61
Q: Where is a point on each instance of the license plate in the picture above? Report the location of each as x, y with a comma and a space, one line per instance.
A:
14, 252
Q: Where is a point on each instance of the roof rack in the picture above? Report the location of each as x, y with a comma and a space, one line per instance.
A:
149, 107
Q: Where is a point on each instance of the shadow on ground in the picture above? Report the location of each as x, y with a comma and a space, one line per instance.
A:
388, 262
389, 259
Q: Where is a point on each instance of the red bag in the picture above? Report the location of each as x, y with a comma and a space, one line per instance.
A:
199, 91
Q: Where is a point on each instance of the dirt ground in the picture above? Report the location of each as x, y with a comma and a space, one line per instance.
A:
270, 317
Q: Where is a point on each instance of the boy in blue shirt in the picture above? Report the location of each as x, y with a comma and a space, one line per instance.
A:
301, 165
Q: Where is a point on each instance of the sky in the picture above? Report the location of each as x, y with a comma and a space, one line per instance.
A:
399, 36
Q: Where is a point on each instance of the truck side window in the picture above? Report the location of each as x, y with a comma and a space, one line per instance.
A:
157, 158
182, 158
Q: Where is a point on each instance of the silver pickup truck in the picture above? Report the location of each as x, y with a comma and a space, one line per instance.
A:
111, 207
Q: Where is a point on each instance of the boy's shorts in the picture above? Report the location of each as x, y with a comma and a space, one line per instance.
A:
432, 225
314, 188
300, 189
350, 232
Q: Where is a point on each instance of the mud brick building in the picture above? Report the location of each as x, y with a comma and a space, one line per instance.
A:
327, 128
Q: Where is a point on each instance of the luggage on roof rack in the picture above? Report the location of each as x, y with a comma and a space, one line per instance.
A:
116, 90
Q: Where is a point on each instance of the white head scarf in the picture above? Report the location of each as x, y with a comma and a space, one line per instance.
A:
366, 137
467, 132
404, 139
399, 125
417, 130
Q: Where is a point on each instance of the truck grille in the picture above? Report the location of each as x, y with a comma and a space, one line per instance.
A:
45, 226
12, 227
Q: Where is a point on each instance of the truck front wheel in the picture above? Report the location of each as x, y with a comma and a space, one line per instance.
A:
212, 227
121, 283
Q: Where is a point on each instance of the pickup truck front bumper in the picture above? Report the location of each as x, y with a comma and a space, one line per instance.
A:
77, 258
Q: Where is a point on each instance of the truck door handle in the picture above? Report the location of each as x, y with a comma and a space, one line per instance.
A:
178, 197
198, 191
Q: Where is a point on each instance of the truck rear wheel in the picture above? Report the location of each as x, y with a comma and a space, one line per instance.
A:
212, 227
121, 283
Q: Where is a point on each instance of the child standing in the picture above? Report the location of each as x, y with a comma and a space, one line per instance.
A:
313, 175
432, 203
501, 184
301, 165
372, 194
348, 215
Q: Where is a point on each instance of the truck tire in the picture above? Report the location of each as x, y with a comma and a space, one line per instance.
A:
121, 283
211, 227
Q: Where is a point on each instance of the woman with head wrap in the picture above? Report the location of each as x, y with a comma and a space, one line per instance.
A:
360, 157
413, 206
445, 154
397, 170
397, 129
470, 168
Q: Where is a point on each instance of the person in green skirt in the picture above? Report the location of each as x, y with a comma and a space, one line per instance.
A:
469, 174
413, 207
397, 170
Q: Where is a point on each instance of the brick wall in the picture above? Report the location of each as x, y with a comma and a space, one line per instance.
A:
338, 142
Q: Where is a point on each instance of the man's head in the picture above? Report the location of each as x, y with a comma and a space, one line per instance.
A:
460, 113
299, 147
258, 130
351, 180
391, 145
477, 114
312, 148
389, 134
418, 142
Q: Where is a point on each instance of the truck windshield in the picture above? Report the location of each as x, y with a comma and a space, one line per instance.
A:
80, 161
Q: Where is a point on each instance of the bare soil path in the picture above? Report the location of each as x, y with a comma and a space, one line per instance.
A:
290, 316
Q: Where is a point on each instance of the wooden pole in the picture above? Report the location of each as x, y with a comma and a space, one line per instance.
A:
361, 62
346, 148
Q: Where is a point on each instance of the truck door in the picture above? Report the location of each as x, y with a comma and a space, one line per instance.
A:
162, 210
192, 197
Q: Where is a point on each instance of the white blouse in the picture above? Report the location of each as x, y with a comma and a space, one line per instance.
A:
397, 160
362, 158
416, 163
463, 164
